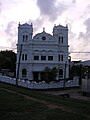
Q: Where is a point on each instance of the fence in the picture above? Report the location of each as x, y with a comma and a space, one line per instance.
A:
41, 85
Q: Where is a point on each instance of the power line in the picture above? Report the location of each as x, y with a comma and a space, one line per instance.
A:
79, 58
79, 52
3, 47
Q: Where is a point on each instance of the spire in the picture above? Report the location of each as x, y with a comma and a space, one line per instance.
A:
19, 24
67, 25
43, 29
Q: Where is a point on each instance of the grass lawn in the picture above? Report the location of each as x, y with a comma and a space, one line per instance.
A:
24, 104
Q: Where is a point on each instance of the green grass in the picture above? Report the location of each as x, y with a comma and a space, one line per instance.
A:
14, 106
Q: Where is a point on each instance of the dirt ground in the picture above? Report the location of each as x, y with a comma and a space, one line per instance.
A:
73, 93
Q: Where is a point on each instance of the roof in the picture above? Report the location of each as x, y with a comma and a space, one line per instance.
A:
25, 25
60, 27
43, 35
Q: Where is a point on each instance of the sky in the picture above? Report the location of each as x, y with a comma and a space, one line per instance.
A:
47, 13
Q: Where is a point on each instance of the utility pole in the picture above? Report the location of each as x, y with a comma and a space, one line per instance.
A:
64, 75
17, 75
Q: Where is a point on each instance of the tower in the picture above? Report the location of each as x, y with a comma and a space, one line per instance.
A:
25, 33
60, 34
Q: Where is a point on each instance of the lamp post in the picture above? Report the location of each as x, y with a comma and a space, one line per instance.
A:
64, 75
17, 75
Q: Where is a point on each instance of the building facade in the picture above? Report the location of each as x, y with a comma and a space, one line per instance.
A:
35, 53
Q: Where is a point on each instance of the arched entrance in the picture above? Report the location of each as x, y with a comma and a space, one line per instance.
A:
60, 73
24, 73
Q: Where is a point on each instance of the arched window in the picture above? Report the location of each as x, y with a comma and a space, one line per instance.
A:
60, 38
60, 57
24, 57
24, 72
25, 38
60, 73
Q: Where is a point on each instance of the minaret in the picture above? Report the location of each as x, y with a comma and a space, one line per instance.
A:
25, 33
60, 34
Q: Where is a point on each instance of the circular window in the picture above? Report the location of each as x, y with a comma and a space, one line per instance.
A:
43, 38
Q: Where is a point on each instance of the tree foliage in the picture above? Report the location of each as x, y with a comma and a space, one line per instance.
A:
50, 74
8, 60
77, 70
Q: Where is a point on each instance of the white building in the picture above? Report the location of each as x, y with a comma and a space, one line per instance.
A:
41, 51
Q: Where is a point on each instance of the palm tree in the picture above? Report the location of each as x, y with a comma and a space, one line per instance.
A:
50, 74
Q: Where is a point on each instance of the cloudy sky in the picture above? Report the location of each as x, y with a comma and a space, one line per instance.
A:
46, 13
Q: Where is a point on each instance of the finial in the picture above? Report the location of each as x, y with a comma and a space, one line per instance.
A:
43, 29
19, 24
67, 25
31, 24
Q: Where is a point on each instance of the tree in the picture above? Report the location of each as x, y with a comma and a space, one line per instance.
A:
47, 74
50, 74
53, 73
77, 70
8, 60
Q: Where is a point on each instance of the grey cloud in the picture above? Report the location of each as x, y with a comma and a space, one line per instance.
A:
73, 1
88, 8
72, 40
0, 7
86, 35
87, 23
50, 9
11, 29
37, 24
84, 39
77, 44
11, 32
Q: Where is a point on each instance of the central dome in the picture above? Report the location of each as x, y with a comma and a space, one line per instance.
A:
43, 36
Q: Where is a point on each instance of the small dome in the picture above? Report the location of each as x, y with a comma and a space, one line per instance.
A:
43, 36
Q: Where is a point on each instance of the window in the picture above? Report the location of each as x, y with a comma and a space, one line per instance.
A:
43, 38
36, 57
24, 72
25, 38
60, 39
60, 73
22, 56
25, 56
43, 57
60, 57
50, 57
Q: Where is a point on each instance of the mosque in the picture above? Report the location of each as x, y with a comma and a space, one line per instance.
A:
35, 53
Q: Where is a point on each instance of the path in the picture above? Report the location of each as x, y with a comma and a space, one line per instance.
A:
48, 104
